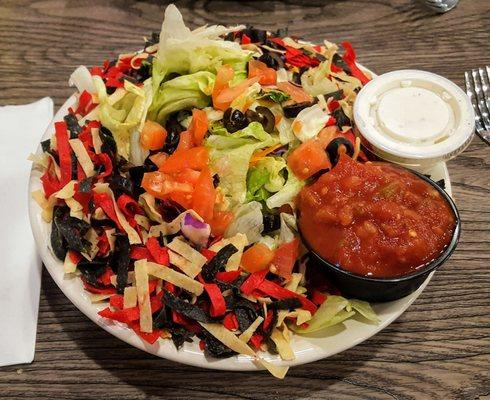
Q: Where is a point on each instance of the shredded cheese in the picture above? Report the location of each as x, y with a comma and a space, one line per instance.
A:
184, 265
143, 294
245, 336
96, 140
82, 156
174, 277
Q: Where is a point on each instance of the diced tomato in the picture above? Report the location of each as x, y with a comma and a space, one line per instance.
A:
153, 136
227, 95
267, 76
295, 92
199, 126
284, 258
257, 258
307, 159
187, 175
223, 77
161, 185
220, 222
186, 141
158, 158
182, 198
195, 158
204, 195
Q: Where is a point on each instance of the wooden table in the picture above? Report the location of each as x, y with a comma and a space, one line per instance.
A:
438, 349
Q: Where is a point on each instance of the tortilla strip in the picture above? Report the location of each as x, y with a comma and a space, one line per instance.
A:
184, 265
143, 294
174, 277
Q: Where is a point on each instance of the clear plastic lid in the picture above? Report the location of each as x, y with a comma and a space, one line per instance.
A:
414, 118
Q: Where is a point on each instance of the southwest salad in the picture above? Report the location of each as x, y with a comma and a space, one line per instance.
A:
170, 186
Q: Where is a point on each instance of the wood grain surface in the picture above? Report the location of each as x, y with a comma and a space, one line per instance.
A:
438, 349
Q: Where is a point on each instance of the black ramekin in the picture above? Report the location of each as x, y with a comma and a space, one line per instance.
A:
379, 290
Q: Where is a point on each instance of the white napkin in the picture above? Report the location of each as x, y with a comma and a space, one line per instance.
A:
21, 128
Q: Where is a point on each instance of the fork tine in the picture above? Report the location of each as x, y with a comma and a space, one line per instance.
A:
480, 100
485, 80
470, 91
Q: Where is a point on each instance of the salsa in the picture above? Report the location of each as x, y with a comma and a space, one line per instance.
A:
375, 219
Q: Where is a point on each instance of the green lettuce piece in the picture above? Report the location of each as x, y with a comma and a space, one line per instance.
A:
256, 179
183, 51
287, 193
277, 96
124, 116
363, 308
230, 155
181, 93
334, 310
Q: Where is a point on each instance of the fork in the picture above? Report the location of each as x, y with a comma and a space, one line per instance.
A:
478, 90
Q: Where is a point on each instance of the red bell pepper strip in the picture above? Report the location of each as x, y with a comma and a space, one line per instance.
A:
187, 323
267, 320
104, 201
169, 287
140, 253
92, 289
85, 103
75, 257
64, 152
126, 315
152, 285
156, 301
151, 337
117, 301
159, 253
257, 339
128, 206
318, 297
202, 345
218, 305
350, 59
50, 181
331, 121
246, 39
278, 292
103, 245
230, 321
253, 281
209, 254
105, 278
105, 160
227, 276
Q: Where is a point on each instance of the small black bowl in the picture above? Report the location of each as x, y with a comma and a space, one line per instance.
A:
379, 290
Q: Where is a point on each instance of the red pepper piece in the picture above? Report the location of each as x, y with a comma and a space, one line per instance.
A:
267, 320
318, 297
92, 289
128, 206
169, 287
97, 71
156, 302
152, 285
105, 160
331, 121
105, 278
278, 41
253, 281
350, 59
75, 257
50, 181
230, 321
335, 69
246, 39
159, 253
117, 301
104, 201
147, 337
228, 276
276, 291
202, 345
140, 253
257, 339
126, 315
187, 323
103, 245
64, 151
209, 254
85, 103
218, 305
333, 105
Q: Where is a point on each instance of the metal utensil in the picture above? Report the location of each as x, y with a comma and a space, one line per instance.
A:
441, 6
478, 90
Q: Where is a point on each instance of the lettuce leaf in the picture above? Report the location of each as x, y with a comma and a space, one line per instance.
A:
230, 156
125, 115
287, 193
334, 310
265, 178
183, 51
248, 220
183, 92
256, 179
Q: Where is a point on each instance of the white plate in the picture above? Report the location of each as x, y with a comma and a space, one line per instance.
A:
306, 348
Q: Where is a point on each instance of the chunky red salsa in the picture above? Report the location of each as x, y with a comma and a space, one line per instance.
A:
375, 219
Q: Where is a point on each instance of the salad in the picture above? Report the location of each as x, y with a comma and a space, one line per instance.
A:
170, 185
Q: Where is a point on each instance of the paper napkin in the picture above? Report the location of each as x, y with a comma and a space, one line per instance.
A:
21, 128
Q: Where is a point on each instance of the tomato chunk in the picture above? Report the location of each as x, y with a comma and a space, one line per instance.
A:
159, 184
195, 158
284, 258
308, 159
256, 258
267, 76
153, 136
198, 126
296, 92
220, 222
204, 195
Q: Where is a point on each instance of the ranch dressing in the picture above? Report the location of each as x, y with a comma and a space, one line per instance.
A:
414, 118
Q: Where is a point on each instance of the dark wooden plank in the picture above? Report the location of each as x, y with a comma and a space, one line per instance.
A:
438, 349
